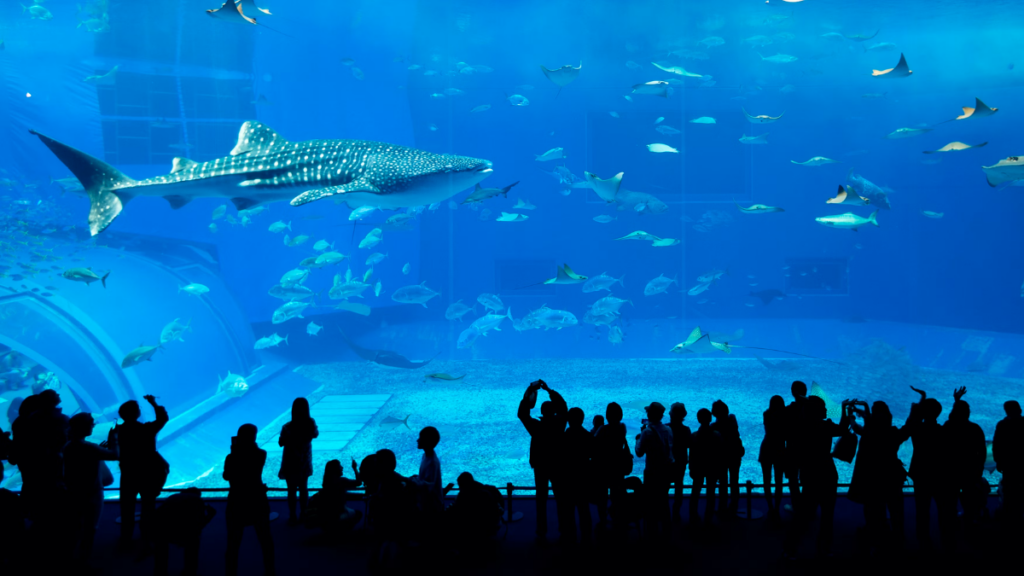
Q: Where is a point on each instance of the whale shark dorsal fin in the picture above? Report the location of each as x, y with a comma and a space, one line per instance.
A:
255, 138
179, 164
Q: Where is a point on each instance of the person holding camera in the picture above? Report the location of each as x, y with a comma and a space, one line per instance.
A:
143, 469
655, 442
545, 438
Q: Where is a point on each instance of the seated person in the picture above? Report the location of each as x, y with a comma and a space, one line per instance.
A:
477, 511
180, 520
328, 508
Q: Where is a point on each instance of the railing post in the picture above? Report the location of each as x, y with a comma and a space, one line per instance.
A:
749, 513
510, 516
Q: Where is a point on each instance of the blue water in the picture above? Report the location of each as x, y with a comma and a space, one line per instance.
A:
919, 297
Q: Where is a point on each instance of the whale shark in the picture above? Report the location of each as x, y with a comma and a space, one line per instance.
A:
264, 167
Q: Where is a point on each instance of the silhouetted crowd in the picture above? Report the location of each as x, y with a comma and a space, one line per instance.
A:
64, 474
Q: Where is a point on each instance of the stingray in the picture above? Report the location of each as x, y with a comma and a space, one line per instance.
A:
561, 77
565, 275
383, 357
955, 147
605, 189
247, 4
980, 110
1006, 170
767, 296
816, 161
846, 195
761, 118
759, 209
900, 71
231, 11
701, 343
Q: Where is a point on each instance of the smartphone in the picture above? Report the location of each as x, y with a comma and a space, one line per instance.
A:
643, 422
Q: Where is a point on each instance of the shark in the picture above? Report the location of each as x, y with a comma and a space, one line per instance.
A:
264, 167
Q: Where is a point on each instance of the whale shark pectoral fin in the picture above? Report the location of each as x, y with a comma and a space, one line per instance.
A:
242, 203
177, 201
105, 206
354, 186
256, 138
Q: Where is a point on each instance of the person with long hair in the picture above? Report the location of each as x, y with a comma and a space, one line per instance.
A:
247, 499
297, 459
773, 453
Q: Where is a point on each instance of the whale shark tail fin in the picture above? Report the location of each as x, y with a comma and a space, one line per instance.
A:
104, 184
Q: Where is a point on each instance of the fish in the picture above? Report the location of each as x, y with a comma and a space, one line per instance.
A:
509, 217
639, 235
608, 305
290, 292
667, 130
759, 209
456, 310
601, 282
869, 190
703, 120
700, 343
375, 258
980, 110
444, 376
768, 296
139, 355
605, 189
754, 139
293, 242
264, 167
860, 37
846, 195
488, 322
174, 331
658, 285
105, 78
269, 341
414, 294
760, 118
377, 288
322, 245
383, 357
955, 147
553, 154
390, 422
712, 275
565, 275
481, 108
280, 226
614, 114
711, 41
293, 277
328, 258
523, 205
288, 310
354, 307
901, 70
219, 212
880, 47
835, 36
405, 268
480, 194
372, 238
313, 328
490, 302
930, 214
518, 100
195, 289
1006, 170
816, 161
563, 76
907, 133
653, 88
677, 70
361, 212
367, 274
847, 221
657, 148
85, 275
699, 288
779, 58
37, 12
615, 335
604, 219
758, 41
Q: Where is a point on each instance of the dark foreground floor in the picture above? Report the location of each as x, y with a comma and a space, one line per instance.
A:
735, 547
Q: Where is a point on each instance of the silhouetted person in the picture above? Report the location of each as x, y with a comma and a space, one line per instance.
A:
180, 521
545, 436
577, 477
428, 485
40, 433
1008, 453
818, 474
732, 454
476, 513
297, 458
247, 498
331, 503
613, 460
965, 458
143, 469
13, 559
878, 475
928, 468
598, 423
772, 455
794, 422
85, 476
680, 453
705, 454
655, 442
393, 507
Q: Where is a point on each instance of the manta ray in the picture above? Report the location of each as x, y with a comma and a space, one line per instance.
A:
384, 357
561, 77
980, 110
846, 195
605, 189
900, 71
955, 147
231, 11
699, 342
1006, 170
565, 275
264, 167
760, 118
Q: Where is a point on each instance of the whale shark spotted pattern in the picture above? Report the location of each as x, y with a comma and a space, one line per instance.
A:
265, 167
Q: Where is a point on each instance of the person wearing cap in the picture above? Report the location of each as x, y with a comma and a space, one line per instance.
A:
655, 442
680, 444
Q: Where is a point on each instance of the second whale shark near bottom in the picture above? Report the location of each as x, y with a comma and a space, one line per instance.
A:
264, 167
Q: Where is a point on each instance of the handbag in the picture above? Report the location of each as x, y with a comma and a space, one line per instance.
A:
625, 462
106, 476
846, 447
